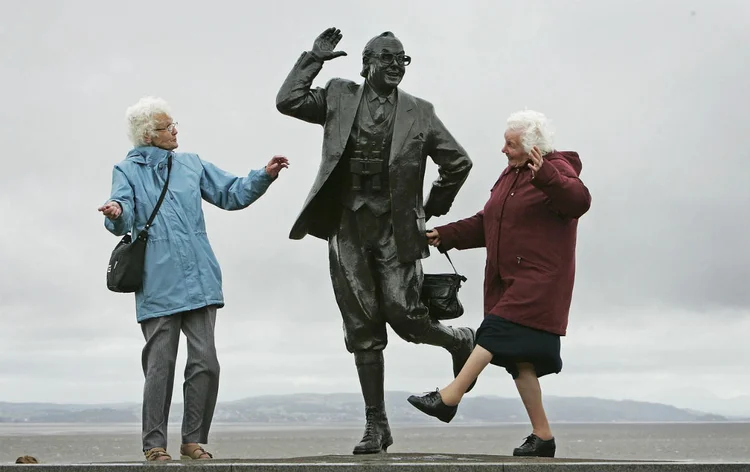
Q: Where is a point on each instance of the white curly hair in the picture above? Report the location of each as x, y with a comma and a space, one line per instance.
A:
141, 121
535, 130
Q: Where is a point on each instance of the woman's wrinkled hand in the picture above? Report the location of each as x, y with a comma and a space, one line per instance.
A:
433, 238
537, 161
275, 165
111, 210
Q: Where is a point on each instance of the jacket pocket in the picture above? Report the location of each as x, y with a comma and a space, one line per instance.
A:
526, 263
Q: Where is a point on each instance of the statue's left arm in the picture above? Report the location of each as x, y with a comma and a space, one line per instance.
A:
453, 168
296, 98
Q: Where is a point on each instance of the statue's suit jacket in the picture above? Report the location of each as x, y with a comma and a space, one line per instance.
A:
417, 133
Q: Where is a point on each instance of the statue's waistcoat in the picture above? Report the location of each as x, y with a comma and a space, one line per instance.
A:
365, 161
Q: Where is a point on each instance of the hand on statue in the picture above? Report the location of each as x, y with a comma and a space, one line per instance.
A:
275, 165
433, 238
324, 45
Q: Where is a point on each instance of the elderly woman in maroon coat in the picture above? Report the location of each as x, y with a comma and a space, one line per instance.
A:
528, 227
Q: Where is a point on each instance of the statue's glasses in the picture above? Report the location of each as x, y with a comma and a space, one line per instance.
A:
387, 58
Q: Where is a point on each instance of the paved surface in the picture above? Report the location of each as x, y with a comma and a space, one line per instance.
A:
394, 462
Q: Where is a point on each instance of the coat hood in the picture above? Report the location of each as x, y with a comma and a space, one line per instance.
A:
570, 156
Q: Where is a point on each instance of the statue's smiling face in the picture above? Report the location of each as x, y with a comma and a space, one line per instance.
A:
384, 75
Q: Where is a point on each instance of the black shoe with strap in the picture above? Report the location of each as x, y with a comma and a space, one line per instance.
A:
377, 437
432, 404
534, 446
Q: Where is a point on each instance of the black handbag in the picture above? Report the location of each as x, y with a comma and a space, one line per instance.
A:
440, 294
125, 270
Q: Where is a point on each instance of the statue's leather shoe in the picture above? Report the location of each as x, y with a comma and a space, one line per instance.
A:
377, 437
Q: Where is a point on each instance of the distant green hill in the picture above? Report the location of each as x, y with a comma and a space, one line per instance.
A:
346, 408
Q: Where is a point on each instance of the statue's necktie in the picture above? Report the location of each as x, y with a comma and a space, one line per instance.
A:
379, 114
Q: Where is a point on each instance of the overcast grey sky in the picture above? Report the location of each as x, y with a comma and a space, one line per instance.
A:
652, 94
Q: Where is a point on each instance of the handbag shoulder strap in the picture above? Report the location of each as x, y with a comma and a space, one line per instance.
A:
462, 277
161, 197
449, 260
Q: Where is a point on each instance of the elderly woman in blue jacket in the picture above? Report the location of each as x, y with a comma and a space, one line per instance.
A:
181, 288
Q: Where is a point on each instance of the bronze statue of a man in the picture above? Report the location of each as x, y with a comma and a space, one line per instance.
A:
367, 203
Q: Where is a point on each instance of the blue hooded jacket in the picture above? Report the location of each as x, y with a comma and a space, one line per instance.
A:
181, 272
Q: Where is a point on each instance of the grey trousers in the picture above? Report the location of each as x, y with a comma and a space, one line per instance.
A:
201, 384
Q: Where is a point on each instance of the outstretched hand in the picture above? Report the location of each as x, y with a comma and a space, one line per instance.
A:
111, 210
275, 165
324, 45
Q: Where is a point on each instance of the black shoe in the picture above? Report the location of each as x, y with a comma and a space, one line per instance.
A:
377, 437
463, 351
432, 404
534, 446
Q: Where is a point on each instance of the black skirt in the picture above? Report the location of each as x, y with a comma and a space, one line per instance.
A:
511, 343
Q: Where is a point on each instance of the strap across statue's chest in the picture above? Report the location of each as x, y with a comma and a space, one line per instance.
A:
369, 144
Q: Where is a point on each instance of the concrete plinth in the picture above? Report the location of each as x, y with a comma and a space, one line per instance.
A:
394, 463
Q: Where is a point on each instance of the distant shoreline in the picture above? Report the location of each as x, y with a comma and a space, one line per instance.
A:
343, 409
248, 426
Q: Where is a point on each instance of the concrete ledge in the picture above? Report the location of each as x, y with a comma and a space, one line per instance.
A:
391, 462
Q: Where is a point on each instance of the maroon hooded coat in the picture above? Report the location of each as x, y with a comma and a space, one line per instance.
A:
529, 229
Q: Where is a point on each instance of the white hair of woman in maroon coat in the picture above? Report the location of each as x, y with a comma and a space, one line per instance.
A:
535, 130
